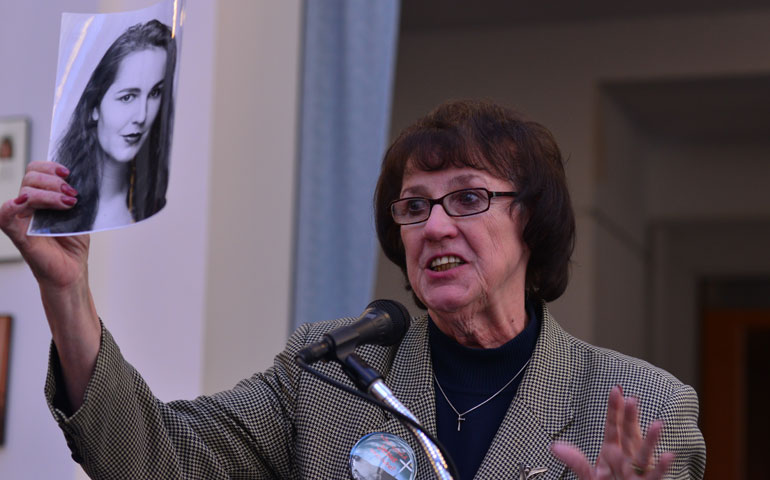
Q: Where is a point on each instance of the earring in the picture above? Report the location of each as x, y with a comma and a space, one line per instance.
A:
95, 115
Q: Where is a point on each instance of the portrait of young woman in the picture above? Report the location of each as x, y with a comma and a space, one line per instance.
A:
117, 141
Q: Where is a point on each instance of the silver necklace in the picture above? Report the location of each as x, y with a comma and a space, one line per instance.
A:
461, 416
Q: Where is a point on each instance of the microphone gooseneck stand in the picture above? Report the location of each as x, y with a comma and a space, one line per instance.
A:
374, 390
369, 380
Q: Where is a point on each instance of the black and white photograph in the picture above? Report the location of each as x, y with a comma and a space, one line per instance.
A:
113, 118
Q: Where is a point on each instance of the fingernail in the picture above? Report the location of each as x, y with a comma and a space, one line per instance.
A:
21, 199
68, 190
62, 171
69, 200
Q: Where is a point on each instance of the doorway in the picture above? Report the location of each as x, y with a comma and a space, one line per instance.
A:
735, 342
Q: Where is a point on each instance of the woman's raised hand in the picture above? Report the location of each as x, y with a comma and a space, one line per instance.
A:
60, 265
624, 454
57, 262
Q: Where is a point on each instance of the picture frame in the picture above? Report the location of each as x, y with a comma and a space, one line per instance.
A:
5, 357
14, 156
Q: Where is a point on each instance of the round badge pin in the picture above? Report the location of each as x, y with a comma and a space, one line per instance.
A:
382, 456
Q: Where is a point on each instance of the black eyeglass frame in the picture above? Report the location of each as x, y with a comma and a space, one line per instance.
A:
440, 201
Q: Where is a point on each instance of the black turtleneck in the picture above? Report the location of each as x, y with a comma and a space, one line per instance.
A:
471, 375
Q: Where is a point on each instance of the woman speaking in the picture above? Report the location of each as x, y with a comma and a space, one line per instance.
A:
116, 144
472, 205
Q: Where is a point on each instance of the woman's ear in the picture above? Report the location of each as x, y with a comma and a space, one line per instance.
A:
95, 114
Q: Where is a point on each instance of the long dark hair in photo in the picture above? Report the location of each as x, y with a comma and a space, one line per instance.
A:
79, 149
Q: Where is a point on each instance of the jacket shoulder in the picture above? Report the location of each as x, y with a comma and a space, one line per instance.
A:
598, 361
589, 373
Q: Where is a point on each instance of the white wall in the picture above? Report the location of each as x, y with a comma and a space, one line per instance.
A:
252, 188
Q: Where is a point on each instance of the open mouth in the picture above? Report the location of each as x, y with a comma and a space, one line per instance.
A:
441, 264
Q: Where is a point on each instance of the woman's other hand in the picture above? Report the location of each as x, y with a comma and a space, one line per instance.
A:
60, 265
624, 454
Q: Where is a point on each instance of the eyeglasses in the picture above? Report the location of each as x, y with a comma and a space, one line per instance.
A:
460, 203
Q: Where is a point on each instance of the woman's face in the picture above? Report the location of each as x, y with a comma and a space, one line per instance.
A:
126, 113
487, 256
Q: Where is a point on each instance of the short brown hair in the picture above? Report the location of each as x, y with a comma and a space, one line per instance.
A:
489, 137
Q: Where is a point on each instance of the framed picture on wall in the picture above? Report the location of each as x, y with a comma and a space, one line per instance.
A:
5, 355
14, 143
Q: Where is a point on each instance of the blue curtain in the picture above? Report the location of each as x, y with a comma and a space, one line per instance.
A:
349, 57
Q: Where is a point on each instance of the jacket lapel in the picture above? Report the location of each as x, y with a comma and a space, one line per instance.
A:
538, 414
411, 380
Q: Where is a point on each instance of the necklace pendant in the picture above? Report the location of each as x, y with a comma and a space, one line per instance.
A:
460, 420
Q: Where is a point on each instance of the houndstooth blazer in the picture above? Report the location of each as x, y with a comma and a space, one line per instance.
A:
285, 424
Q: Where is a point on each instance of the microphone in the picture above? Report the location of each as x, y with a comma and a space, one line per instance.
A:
384, 322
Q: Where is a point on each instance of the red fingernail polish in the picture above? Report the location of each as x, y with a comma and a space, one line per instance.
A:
62, 171
68, 190
69, 200
21, 199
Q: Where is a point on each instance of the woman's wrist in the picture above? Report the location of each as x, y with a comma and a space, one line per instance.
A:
76, 332
71, 316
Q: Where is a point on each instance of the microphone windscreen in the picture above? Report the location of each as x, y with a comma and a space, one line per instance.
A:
399, 317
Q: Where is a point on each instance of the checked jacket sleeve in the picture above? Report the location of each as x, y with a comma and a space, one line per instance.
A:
123, 431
